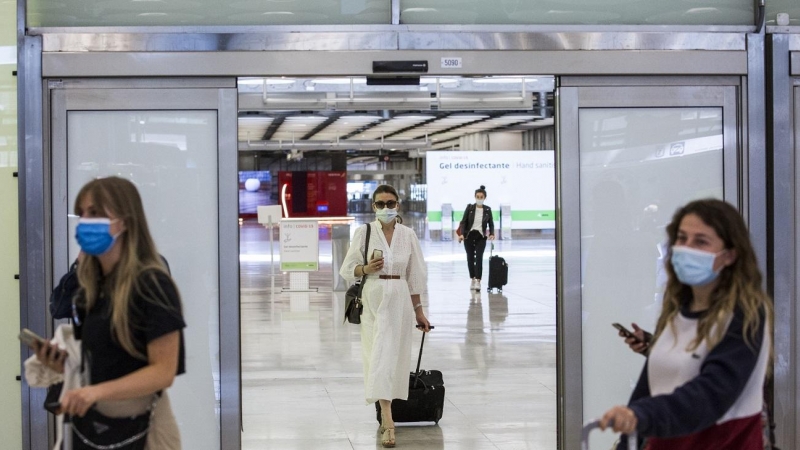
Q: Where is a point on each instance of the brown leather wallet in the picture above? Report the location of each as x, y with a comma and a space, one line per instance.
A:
389, 277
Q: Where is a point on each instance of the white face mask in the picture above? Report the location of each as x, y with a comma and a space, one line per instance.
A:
386, 215
479, 201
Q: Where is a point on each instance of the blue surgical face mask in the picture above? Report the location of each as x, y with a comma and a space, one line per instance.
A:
694, 267
94, 236
479, 201
386, 215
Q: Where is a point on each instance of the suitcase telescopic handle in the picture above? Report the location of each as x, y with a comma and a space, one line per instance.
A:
419, 358
587, 429
66, 438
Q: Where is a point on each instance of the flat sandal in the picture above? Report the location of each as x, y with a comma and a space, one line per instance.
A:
387, 438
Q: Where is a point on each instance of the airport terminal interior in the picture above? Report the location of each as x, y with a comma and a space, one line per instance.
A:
496, 348
301, 366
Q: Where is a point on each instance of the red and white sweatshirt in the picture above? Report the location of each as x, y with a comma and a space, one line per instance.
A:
703, 399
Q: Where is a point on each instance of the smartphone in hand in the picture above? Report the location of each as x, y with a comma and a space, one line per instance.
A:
377, 254
625, 332
31, 339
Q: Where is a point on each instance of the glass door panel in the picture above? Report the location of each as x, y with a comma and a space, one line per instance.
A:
638, 165
178, 146
631, 151
171, 156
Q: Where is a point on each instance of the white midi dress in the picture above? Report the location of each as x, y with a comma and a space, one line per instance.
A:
388, 321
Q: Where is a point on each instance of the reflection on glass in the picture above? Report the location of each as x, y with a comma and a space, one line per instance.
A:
638, 165
577, 12
171, 156
790, 7
80, 13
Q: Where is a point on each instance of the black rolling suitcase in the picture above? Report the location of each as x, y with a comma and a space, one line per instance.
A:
425, 396
498, 272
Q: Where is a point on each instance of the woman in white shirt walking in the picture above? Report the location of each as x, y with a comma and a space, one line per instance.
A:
472, 231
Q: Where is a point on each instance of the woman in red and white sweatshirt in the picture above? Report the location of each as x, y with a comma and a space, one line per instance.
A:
702, 385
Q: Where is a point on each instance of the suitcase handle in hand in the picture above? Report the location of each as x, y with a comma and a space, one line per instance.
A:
632, 438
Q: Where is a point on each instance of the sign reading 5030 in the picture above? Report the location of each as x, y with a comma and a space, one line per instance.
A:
452, 62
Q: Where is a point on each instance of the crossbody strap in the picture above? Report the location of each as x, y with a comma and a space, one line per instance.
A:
366, 252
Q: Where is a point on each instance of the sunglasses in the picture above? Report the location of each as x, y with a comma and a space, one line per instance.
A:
391, 204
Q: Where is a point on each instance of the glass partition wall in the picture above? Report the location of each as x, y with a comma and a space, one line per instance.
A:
85, 13
790, 8
577, 12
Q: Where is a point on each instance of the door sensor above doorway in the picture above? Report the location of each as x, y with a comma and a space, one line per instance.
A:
399, 66
393, 81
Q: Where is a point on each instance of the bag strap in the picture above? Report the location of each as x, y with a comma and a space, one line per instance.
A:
366, 252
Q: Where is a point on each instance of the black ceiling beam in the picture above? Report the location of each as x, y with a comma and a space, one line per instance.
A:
364, 128
273, 127
329, 121
438, 116
447, 130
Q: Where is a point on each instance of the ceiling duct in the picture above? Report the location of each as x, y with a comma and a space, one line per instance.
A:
398, 101
334, 145
456, 101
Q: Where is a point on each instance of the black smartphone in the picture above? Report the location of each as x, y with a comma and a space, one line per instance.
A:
625, 332
53, 407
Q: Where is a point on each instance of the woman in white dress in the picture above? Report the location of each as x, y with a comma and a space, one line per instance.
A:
392, 303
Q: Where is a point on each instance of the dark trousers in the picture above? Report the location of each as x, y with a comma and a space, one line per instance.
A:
475, 244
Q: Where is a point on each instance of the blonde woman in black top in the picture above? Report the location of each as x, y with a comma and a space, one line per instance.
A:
472, 231
128, 315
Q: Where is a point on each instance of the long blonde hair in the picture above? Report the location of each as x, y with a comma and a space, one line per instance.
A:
138, 257
739, 284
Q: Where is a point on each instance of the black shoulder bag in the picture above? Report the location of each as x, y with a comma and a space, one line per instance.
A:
354, 307
61, 298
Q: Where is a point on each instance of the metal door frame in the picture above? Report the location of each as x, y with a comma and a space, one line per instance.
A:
218, 94
783, 98
574, 94
207, 52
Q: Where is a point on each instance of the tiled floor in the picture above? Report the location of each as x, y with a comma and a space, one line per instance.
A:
302, 379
